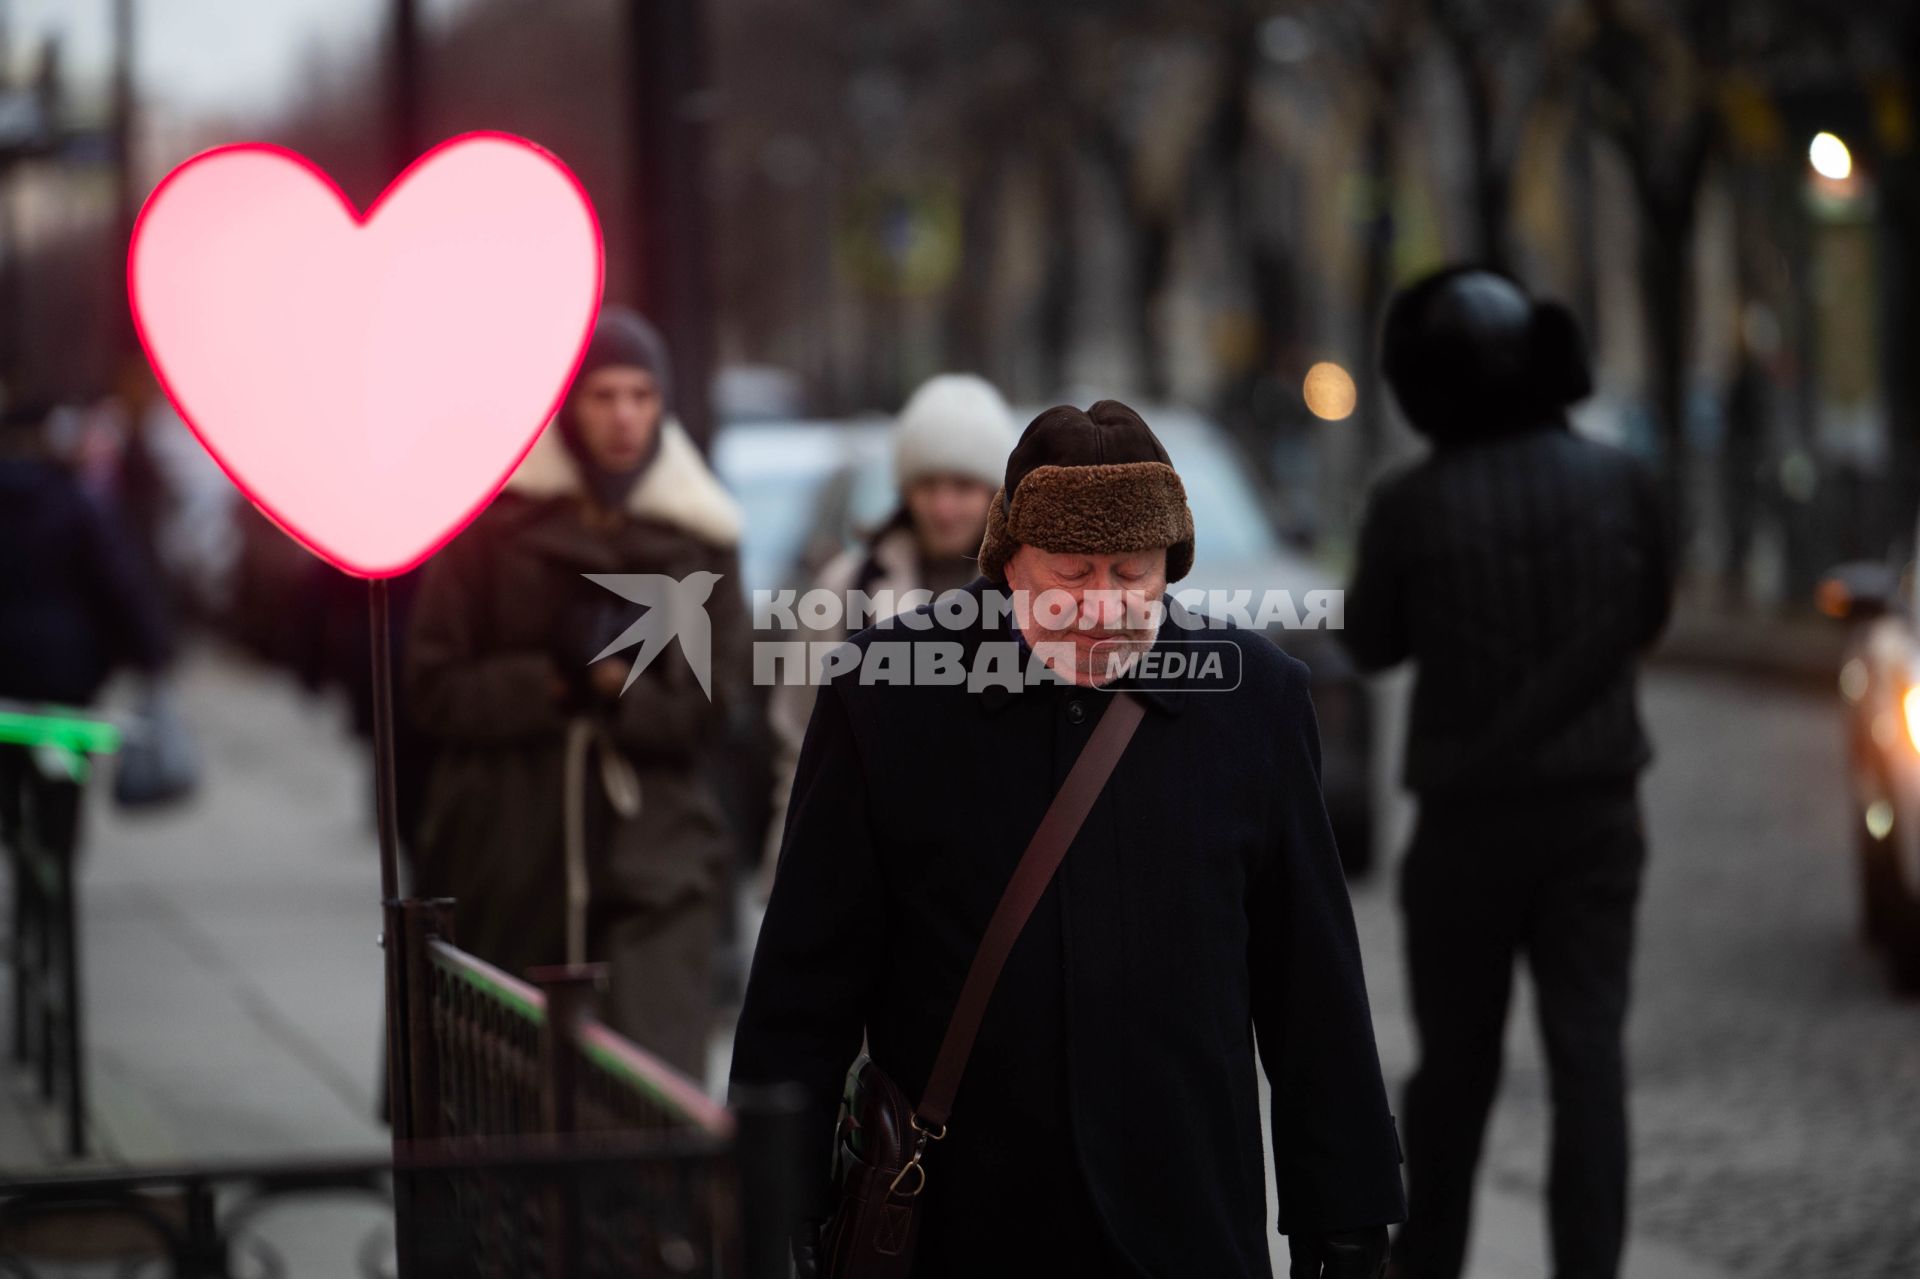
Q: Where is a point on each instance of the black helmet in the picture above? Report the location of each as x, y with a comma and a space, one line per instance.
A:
1469, 354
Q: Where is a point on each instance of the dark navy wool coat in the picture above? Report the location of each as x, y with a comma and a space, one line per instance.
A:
1108, 1120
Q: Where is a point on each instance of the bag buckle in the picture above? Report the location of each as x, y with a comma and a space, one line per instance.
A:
913, 1164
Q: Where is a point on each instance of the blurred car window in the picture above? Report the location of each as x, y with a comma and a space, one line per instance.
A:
780, 473
1229, 515
811, 488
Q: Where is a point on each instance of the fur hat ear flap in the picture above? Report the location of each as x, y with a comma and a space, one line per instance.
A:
1561, 374
998, 546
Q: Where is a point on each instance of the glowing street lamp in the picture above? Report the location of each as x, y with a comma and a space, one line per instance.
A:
1329, 392
1829, 157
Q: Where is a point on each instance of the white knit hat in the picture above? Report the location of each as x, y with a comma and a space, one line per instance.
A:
955, 424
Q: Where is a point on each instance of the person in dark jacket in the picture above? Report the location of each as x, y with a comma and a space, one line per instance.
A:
1108, 1121
1523, 570
569, 809
77, 598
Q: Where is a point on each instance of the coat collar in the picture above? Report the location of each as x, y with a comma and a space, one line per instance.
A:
678, 489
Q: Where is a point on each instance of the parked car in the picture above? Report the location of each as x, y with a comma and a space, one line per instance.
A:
1880, 693
791, 480
782, 473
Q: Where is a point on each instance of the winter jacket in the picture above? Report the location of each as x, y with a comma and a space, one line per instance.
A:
1200, 910
76, 599
503, 630
1523, 574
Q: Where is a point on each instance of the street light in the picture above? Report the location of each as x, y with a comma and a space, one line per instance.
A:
1329, 392
1829, 157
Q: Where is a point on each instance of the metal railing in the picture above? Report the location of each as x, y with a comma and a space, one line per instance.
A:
44, 765
495, 1057
531, 1141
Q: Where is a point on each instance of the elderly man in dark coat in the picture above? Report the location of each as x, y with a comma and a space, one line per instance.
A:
569, 811
1523, 569
1108, 1122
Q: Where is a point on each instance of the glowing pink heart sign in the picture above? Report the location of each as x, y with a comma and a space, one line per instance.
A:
368, 380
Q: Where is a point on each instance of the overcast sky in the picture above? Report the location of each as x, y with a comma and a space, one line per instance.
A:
201, 57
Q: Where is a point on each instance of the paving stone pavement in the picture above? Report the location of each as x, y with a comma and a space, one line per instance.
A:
1775, 1078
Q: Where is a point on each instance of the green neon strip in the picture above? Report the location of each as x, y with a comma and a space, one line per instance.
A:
669, 1099
495, 984
65, 732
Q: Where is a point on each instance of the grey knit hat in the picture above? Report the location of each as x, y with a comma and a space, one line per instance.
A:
624, 337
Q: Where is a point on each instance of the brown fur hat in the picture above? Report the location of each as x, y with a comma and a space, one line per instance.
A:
1097, 482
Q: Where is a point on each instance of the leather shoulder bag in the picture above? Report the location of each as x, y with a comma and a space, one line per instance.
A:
880, 1146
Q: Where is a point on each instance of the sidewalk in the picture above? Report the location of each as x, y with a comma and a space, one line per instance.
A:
1801, 647
233, 983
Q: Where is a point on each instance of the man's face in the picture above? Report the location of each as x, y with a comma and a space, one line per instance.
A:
949, 513
618, 411
1084, 614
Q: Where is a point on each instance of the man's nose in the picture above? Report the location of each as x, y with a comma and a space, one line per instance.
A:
1103, 606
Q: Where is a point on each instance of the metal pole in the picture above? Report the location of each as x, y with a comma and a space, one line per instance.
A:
63, 844
403, 87
124, 108
774, 1162
670, 105
393, 933
380, 612
403, 141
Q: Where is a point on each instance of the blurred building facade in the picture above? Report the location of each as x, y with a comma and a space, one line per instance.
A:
1199, 203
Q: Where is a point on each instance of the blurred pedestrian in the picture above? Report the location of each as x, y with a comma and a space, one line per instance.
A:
950, 446
77, 598
1108, 1118
569, 818
1523, 570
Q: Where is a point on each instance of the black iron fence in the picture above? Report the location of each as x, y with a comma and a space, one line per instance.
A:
41, 782
495, 1057
531, 1142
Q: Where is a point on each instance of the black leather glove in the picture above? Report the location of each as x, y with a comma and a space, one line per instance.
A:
1343, 1254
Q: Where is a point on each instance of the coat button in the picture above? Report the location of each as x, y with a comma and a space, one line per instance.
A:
1076, 711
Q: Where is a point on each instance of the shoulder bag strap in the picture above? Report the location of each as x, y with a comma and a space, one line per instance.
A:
1045, 851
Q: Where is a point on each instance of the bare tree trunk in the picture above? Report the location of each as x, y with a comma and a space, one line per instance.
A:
1666, 299
1060, 283
1380, 156
1900, 240
1152, 256
1492, 180
969, 299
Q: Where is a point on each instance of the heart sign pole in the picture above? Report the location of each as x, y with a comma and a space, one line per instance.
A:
369, 380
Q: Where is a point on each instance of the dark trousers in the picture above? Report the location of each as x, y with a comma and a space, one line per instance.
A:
1553, 878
